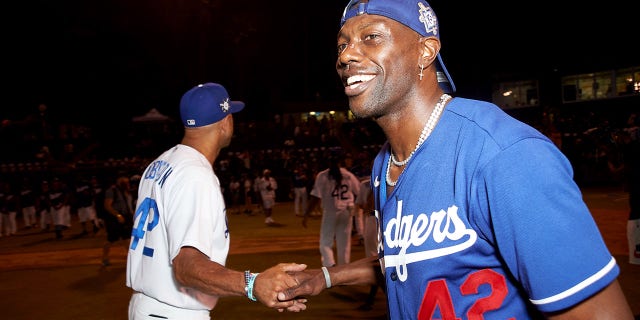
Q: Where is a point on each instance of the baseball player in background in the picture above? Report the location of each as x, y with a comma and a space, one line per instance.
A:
180, 241
335, 188
28, 203
84, 202
480, 217
267, 187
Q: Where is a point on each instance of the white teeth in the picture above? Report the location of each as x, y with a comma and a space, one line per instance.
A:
359, 78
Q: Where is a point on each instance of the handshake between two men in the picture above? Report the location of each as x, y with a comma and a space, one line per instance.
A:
286, 285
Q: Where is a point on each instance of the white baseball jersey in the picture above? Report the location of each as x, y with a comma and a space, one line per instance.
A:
334, 198
268, 194
179, 204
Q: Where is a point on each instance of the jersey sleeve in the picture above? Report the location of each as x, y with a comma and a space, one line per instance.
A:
542, 227
198, 216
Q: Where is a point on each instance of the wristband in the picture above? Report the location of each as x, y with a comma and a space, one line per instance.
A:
247, 276
327, 279
249, 279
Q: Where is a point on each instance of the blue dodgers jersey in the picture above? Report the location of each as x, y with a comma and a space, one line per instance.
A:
486, 220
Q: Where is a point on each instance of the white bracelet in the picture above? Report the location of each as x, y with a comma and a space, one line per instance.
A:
327, 279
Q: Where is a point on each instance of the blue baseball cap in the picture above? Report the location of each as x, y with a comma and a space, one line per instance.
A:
415, 14
205, 104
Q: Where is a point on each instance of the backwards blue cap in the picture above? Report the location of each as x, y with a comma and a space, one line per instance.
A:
415, 14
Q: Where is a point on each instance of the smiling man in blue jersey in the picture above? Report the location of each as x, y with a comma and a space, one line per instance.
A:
479, 215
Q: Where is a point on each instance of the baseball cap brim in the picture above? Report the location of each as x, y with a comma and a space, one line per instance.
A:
444, 79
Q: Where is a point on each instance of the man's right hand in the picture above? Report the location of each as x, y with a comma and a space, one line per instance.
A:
310, 283
275, 279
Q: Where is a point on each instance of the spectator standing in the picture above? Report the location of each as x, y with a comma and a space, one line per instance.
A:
28, 204
118, 206
60, 208
335, 189
43, 205
84, 202
247, 186
268, 186
256, 192
300, 192
235, 188
12, 206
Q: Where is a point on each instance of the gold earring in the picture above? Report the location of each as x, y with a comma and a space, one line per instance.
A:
420, 74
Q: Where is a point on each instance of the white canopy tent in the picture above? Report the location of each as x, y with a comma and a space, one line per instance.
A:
152, 116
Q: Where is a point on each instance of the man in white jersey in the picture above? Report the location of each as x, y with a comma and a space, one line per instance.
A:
335, 188
268, 186
180, 238
479, 216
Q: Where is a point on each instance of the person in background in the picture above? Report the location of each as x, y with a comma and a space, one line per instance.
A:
256, 191
59, 198
267, 187
43, 205
10, 205
84, 203
118, 217
335, 189
98, 191
300, 192
234, 194
247, 186
28, 203
180, 242
479, 214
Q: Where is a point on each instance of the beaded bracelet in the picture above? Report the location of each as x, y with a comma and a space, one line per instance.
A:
327, 279
249, 279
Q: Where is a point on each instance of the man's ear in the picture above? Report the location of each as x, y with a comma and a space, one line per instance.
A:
226, 123
430, 47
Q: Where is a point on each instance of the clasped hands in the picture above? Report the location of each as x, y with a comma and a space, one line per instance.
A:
295, 281
283, 286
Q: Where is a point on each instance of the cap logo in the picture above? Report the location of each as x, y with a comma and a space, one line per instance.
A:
428, 18
191, 122
225, 105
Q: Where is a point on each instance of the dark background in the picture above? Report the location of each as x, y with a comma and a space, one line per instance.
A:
102, 60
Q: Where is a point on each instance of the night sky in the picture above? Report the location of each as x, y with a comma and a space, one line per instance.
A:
120, 58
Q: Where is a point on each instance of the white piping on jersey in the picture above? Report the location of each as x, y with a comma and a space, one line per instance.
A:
402, 232
587, 282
